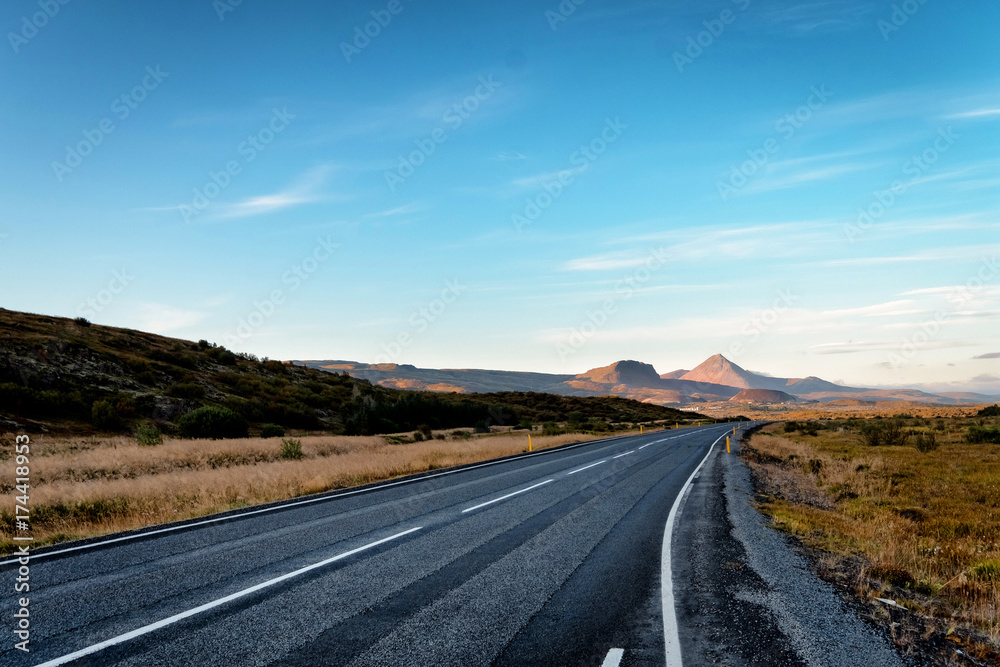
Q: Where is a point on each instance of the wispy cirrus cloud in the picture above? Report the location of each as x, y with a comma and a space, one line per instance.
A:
606, 262
806, 17
305, 190
977, 114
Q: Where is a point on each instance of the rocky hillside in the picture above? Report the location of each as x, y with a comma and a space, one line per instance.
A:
62, 375
763, 397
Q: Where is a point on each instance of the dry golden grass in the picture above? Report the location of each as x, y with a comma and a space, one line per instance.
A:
926, 525
83, 487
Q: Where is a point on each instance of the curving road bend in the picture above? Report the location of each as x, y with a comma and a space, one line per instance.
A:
552, 558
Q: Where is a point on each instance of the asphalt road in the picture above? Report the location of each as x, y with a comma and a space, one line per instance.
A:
552, 559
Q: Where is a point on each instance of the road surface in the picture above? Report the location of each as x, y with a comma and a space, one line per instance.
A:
554, 558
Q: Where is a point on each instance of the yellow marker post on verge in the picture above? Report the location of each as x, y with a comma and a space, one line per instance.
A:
727, 445
640, 428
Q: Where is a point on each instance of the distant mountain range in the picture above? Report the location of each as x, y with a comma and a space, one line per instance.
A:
716, 379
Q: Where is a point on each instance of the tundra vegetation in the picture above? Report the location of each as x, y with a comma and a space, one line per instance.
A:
903, 508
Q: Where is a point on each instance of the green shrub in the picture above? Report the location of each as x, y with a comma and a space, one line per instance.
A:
983, 435
551, 428
987, 569
481, 427
926, 442
148, 435
291, 449
992, 411
884, 433
271, 430
104, 416
213, 422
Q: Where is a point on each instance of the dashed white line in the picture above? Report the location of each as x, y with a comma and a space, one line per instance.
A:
308, 501
509, 495
613, 658
671, 636
120, 639
585, 467
625, 454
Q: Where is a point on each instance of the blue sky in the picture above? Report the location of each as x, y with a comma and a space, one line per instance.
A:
516, 185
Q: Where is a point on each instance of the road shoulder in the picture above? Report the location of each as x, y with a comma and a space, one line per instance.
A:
746, 597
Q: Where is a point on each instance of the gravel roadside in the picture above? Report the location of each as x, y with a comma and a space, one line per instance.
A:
747, 597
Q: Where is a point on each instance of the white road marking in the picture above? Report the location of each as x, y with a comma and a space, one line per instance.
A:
671, 636
625, 454
120, 639
509, 495
655, 442
613, 658
585, 467
309, 501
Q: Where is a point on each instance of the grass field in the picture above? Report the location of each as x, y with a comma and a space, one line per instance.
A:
84, 487
919, 528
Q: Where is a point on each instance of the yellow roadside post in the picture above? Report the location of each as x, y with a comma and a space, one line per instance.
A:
640, 428
727, 445
529, 442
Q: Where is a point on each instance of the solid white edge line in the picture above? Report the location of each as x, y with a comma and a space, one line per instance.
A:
671, 636
586, 467
333, 496
120, 639
613, 658
509, 495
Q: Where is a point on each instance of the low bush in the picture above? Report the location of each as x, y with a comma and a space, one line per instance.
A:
291, 450
272, 430
148, 435
925, 442
213, 422
884, 433
983, 435
104, 416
